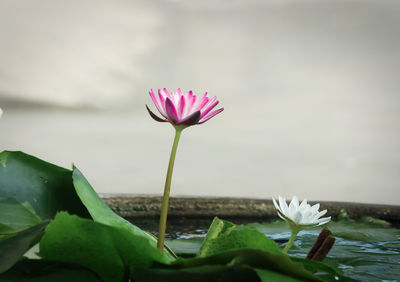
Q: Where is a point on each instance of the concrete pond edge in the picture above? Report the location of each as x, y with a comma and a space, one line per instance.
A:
139, 206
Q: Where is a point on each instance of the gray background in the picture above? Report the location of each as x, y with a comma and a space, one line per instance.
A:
310, 90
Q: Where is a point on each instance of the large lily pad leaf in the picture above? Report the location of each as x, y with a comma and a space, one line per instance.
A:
29, 270
209, 273
266, 275
5, 230
366, 232
101, 213
224, 235
256, 265
15, 216
325, 271
31, 192
16, 245
109, 251
44, 187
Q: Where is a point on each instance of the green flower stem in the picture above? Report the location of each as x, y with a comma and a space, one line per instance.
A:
167, 188
291, 240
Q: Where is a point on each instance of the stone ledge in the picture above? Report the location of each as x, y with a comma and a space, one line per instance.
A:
131, 206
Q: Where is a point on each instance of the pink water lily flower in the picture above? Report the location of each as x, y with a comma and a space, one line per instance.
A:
183, 109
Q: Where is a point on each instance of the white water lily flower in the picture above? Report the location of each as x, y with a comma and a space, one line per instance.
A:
300, 214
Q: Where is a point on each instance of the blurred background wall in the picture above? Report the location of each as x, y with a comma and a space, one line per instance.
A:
310, 90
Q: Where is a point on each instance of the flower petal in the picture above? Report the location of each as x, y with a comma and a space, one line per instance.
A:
210, 115
303, 204
276, 205
167, 94
162, 100
192, 119
181, 106
281, 215
171, 111
293, 206
157, 103
204, 100
297, 217
191, 101
155, 117
209, 108
295, 202
308, 216
324, 220
321, 213
284, 206
315, 208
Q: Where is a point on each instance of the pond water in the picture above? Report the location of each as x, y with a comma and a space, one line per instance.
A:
363, 250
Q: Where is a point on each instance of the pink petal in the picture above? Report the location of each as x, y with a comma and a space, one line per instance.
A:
191, 101
189, 95
204, 100
209, 108
154, 116
162, 99
210, 115
181, 106
171, 111
167, 94
192, 119
156, 102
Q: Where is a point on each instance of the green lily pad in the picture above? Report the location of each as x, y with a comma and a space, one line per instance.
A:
235, 265
267, 275
15, 216
326, 271
5, 230
112, 252
31, 192
362, 231
224, 235
16, 245
101, 213
39, 185
28, 270
209, 273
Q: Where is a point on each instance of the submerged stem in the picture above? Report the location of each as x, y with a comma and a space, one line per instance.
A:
167, 188
291, 240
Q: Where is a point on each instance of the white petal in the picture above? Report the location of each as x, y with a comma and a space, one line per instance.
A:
295, 202
324, 220
303, 204
297, 217
276, 205
315, 208
284, 206
321, 213
293, 206
308, 216
279, 214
